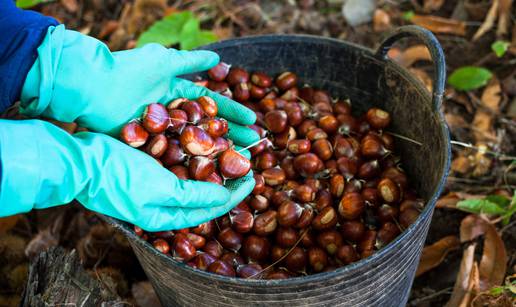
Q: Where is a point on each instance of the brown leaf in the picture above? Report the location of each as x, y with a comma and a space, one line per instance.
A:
455, 121
461, 165
7, 223
108, 28
423, 77
482, 162
483, 126
493, 264
491, 96
504, 17
448, 201
432, 5
489, 21
434, 254
70, 5
440, 25
413, 54
381, 20
462, 282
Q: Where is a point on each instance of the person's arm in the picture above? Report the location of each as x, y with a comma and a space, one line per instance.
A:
21, 34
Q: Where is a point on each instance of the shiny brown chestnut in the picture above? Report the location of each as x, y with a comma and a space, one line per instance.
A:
351, 206
219, 72
155, 118
134, 135
232, 164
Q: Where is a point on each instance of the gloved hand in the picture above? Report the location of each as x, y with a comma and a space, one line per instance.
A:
43, 166
76, 78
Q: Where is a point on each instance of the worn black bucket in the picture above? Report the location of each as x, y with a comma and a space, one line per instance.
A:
369, 79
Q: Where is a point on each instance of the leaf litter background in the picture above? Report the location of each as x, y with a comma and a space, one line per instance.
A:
469, 258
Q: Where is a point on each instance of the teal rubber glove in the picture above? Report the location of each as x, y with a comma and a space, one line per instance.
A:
43, 166
76, 78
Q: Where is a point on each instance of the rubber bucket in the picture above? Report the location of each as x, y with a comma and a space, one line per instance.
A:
369, 79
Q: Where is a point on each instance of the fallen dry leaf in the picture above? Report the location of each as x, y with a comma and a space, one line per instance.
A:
432, 5
423, 77
440, 24
413, 54
461, 165
448, 201
482, 162
491, 96
7, 223
504, 10
489, 21
381, 20
493, 264
482, 126
455, 121
434, 254
108, 28
460, 289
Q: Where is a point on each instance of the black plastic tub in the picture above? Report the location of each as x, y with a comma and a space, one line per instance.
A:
369, 79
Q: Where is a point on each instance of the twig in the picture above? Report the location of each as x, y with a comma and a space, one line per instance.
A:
482, 150
404, 138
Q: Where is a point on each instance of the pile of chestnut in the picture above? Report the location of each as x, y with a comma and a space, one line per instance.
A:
329, 187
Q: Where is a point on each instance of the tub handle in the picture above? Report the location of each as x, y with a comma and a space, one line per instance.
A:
436, 52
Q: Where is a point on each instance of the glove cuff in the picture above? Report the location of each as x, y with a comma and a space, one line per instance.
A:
38, 88
20, 156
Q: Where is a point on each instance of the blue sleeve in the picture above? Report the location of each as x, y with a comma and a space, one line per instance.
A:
21, 34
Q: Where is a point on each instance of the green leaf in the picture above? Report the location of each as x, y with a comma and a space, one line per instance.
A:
499, 200
500, 48
23, 4
180, 28
495, 291
480, 206
408, 15
469, 78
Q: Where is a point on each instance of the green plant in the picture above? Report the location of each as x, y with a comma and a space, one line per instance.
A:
492, 204
469, 78
500, 48
23, 4
179, 28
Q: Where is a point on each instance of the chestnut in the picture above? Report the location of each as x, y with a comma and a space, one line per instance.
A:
304, 193
203, 260
337, 184
219, 71
265, 223
317, 258
308, 164
286, 80
259, 187
387, 213
306, 218
200, 167
180, 171
281, 140
396, 175
387, 232
378, 118
193, 111
155, 118
367, 244
242, 221
287, 165
369, 169
286, 237
213, 248
256, 248
371, 196
323, 199
183, 248
233, 165
342, 107
322, 148
157, 145
222, 268
265, 160
266, 105
294, 113
259, 203
346, 254
178, 119
261, 79
316, 134
352, 230
274, 176
351, 206
196, 141
241, 92
161, 245
134, 135
343, 147
237, 75
214, 127
328, 123
330, 240
196, 240
176, 104
327, 218
306, 126
289, 213
206, 229
291, 94
278, 274
257, 92
249, 270
279, 197
230, 239
296, 259
389, 191
408, 216
299, 146
348, 167
276, 121
371, 146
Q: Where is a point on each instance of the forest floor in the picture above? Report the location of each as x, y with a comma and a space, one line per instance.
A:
481, 118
